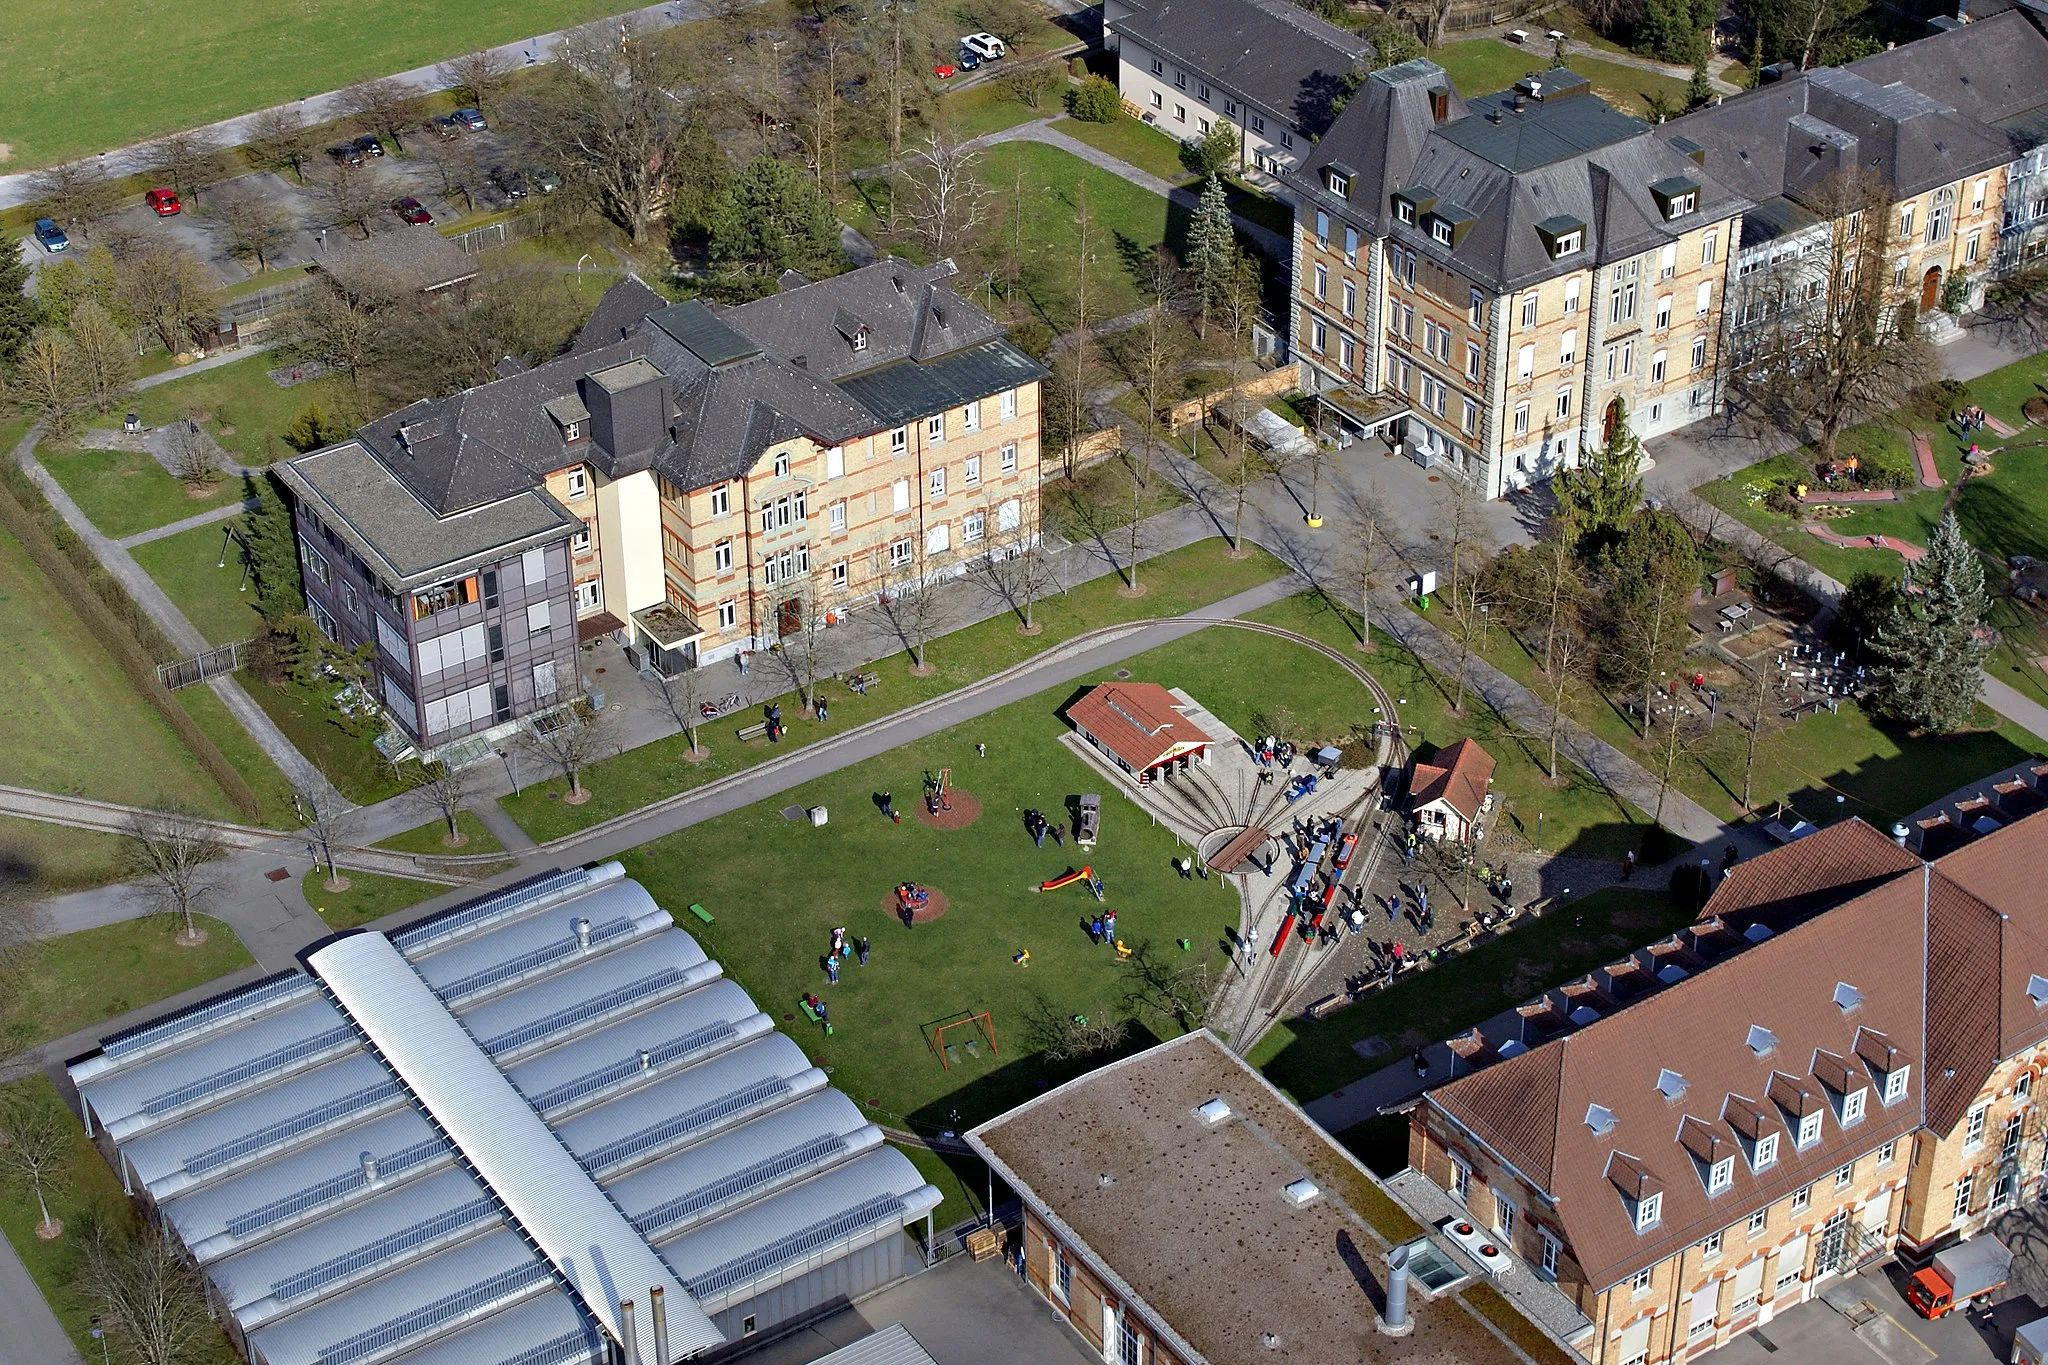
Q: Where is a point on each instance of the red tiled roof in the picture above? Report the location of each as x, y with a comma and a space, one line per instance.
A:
1141, 723
1825, 868
1459, 777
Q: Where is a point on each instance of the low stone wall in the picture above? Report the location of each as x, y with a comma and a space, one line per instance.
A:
1271, 384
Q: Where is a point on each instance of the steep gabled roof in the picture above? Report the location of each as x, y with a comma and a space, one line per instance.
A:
1458, 777
1377, 137
1140, 722
1833, 864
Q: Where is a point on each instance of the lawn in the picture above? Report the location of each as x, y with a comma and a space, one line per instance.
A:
988, 108
1579, 817
57, 857
1480, 66
1310, 1058
428, 837
1131, 140
273, 789
218, 599
1177, 582
238, 403
125, 491
183, 63
307, 716
76, 725
78, 979
1096, 502
368, 897
774, 919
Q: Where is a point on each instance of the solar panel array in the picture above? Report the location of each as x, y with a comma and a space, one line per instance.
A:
526, 963
283, 986
614, 999
369, 1342
694, 1041
799, 1243
670, 1212
285, 1129
550, 1352
384, 1248
675, 1126
158, 1105
510, 901
277, 1210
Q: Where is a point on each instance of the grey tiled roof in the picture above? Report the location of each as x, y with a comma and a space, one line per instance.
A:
1269, 53
1378, 136
416, 257
729, 382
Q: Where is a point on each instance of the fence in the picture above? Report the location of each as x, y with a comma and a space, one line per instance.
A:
266, 304
1096, 445
1269, 385
212, 664
504, 232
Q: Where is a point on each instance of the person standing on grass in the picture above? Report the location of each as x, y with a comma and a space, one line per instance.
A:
832, 970
862, 945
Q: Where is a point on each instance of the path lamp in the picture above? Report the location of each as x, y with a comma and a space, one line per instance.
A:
511, 767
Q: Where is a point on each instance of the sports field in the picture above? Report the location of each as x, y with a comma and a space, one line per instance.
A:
90, 75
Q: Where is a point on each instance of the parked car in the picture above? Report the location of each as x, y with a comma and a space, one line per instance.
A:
446, 128
163, 201
543, 179
369, 146
413, 211
986, 46
510, 183
348, 154
967, 60
472, 119
944, 71
50, 236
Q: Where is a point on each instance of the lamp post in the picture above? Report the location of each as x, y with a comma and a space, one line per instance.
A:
511, 767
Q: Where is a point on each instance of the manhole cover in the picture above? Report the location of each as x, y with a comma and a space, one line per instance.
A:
793, 812
1123, 673
1370, 1047
1434, 479
279, 874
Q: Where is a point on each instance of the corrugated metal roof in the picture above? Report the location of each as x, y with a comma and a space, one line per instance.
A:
683, 1030
691, 1104
549, 1330
637, 976
891, 1345
583, 1234
515, 949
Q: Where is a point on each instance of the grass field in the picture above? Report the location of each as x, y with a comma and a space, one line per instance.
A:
100, 74
1480, 66
308, 718
1310, 1058
74, 724
239, 404
368, 897
428, 837
1097, 502
1175, 583
1131, 140
79, 979
778, 888
187, 567
273, 789
57, 857
123, 491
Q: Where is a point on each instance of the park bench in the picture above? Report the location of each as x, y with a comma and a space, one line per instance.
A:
754, 731
812, 1015
701, 913
856, 681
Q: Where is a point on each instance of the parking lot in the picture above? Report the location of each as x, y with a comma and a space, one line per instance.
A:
1866, 1317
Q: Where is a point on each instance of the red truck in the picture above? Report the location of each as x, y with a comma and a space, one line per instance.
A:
1960, 1275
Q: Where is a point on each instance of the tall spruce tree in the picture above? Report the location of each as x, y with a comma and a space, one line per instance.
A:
19, 311
273, 552
1931, 647
1212, 248
1604, 490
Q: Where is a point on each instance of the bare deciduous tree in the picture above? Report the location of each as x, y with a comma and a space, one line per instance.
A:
35, 1146
75, 194
1468, 607
194, 457
480, 75
1015, 569
381, 107
1569, 665
353, 194
681, 695
47, 380
804, 610
171, 855
186, 161
947, 195
148, 1295
1243, 462
255, 225
444, 791
1462, 530
324, 818
280, 137
167, 288
911, 606
1373, 523
104, 353
1061, 1035
1172, 989
579, 737
607, 118
456, 166
341, 331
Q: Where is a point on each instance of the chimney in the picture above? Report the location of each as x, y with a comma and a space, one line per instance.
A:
1521, 101
583, 933
1900, 833
660, 1305
1397, 1289
369, 1168
629, 1336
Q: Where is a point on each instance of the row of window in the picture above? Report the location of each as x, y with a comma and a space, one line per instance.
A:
1255, 121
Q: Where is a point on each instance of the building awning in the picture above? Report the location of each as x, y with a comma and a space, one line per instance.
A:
1361, 409
596, 624
667, 625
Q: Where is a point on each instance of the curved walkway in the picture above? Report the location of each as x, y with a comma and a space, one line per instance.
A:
1904, 549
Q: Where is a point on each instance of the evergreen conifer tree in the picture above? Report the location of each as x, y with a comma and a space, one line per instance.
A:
1212, 247
272, 547
1930, 646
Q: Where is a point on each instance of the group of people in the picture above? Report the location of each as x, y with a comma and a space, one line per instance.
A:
1270, 752
843, 947
1970, 418
1035, 825
1102, 929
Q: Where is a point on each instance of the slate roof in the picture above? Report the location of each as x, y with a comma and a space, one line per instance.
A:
1459, 777
1564, 155
698, 392
414, 257
1268, 53
1942, 959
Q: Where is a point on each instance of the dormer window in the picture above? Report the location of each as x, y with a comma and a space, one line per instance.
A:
572, 431
1649, 1211
860, 340
1895, 1084
1404, 210
578, 484
1568, 244
1562, 235
1440, 231
1676, 196
1809, 1129
2037, 990
1338, 181
1766, 1153
1683, 204
1721, 1175
1852, 1106
1761, 1040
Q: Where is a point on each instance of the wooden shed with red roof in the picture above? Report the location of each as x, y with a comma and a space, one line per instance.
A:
1447, 795
1142, 727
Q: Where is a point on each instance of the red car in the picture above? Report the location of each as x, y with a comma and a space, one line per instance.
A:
163, 202
944, 71
413, 211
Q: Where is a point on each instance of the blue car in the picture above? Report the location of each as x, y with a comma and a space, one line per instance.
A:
967, 60
50, 235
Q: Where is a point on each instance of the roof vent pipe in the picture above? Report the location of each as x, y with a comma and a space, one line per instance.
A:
583, 933
1397, 1288
647, 1064
659, 1302
629, 1336
1521, 101
369, 1168
1901, 832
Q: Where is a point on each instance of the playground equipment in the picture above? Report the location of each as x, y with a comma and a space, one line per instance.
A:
910, 896
983, 1024
1086, 876
1090, 823
938, 793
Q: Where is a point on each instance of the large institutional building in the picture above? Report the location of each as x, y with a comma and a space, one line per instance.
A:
1838, 1058
698, 480
1498, 283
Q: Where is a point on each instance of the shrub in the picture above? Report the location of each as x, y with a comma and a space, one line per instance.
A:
1078, 68
1936, 400
1096, 100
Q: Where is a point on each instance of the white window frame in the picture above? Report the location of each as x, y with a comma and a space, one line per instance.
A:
578, 482
1571, 296
781, 464
721, 500
1568, 244
899, 495
972, 528
1766, 1155
721, 556
899, 441
1973, 1127
835, 517
1006, 405
728, 615
1649, 1212
1721, 1175
935, 481
901, 552
1802, 1199
1895, 1084
935, 428
1009, 458
590, 594
1966, 1187
1522, 418
970, 416
970, 472
1887, 1152
1759, 1221
1639, 1283
1809, 1129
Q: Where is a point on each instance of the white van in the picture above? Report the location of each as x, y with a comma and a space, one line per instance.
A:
986, 46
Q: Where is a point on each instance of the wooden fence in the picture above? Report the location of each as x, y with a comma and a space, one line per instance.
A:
1271, 384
